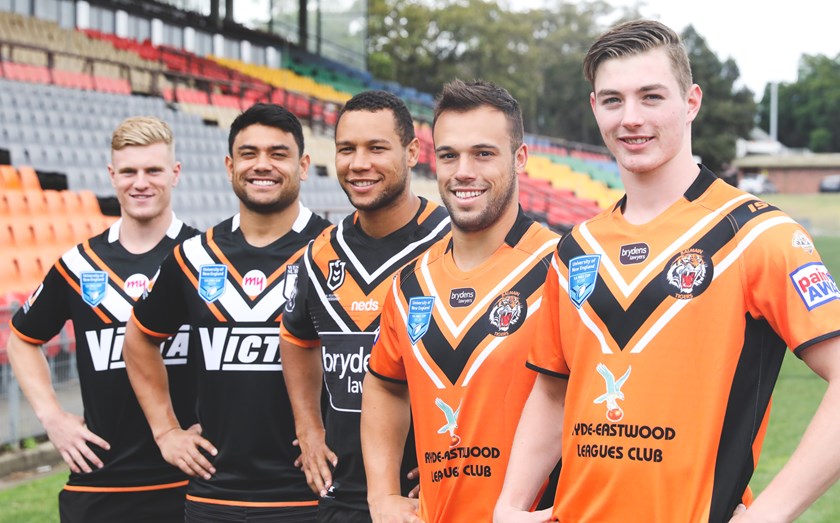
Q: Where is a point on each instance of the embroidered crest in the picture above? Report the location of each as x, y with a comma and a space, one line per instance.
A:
506, 313
94, 286
336, 277
212, 281
583, 274
419, 316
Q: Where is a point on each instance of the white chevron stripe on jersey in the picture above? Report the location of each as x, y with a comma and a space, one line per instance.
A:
417, 354
310, 271
392, 264
265, 308
481, 305
677, 245
114, 302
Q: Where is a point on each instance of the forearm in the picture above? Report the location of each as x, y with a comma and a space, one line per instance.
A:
537, 444
386, 417
148, 377
33, 375
303, 375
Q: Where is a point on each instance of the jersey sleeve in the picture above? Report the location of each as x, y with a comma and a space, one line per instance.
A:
789, 286
546, 353
297, 326
44, 313
164, 309
386, 357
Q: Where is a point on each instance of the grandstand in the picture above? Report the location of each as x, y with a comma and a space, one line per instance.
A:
71, 71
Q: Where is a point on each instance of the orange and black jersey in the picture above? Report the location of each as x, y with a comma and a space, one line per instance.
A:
232, 294
95, 285
459, 339
671, 335
342, 282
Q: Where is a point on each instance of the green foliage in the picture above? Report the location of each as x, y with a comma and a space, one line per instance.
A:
32, 502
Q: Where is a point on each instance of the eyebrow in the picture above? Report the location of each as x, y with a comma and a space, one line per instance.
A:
134, 169
477, 146
642, 89
374, 141
280, 147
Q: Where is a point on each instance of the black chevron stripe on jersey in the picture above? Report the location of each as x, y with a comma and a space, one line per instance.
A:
453, 361
624, 324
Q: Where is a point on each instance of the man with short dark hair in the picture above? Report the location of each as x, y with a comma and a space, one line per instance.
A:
329, 327
231, 284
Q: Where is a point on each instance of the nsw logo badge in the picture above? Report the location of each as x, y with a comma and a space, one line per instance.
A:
212, 280
583, 274
419, 316
94, 285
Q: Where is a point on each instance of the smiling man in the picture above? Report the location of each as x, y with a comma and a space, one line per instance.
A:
230, 284
457, 323
117, 473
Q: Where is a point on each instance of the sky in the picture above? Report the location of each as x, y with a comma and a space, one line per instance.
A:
765, 38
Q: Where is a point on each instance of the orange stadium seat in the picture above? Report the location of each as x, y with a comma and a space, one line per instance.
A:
29, 178
71, 203
9, 178
88, 201
35, 202
22, 233
54, 202
16, 203
9, 276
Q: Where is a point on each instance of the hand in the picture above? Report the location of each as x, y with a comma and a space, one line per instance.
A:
740, 514
71, 436
395, 509
181, 448
315, 459
511, 515
414, 474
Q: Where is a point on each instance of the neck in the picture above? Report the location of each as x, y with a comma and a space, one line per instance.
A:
138, 237
650, 194
379, 223
261, 229
472, 248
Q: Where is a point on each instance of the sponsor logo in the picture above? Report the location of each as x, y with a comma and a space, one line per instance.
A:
633, 253
336, 276
345, 358
801, 240
94, 285
31, 300
290, 286
253, 283
212, 280
815, 285
366, 306
690, 273
506, 313
419, 316
583, 274
240, 348
105, 347
613, 394
451, 422
461, 297
136, 285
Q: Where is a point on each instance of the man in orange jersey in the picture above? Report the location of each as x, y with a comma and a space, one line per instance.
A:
664, 325
457, 323
230, 285
116, 471
329, 328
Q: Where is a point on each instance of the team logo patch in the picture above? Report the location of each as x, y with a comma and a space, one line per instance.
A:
419, 316
801, 240
815, 285
212, 280
336, 277
94, 286
290, 286
613, 394
451, 422
253, 283
583, 274
136, 285
463, 297
506, 313
633, 253
31, 300
689, 273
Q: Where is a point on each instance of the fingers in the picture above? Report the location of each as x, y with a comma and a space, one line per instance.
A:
182, 448
414, 474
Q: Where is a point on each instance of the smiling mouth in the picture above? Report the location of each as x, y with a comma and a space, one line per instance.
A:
636, 141
467, 194
362, 183
263, 183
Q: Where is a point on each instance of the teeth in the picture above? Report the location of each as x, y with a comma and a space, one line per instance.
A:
362, 183
635, 140
263, 182
467, 194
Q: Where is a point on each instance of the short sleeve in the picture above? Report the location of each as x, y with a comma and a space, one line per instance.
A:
297, 324
164, 309
45, 312
386, 359
546, 353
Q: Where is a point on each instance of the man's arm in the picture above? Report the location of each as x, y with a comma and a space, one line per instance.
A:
386, 417
303, 375
66, 431
536, 448
815, 464
150, 382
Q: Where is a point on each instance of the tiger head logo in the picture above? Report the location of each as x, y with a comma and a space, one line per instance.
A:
687, 271
505, 313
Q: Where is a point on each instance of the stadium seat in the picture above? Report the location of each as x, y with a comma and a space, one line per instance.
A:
9, 178
29, 178
16, 203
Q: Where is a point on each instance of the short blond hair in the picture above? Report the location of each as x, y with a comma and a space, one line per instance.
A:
142, 130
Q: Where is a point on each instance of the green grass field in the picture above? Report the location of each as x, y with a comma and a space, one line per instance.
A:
798, 392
